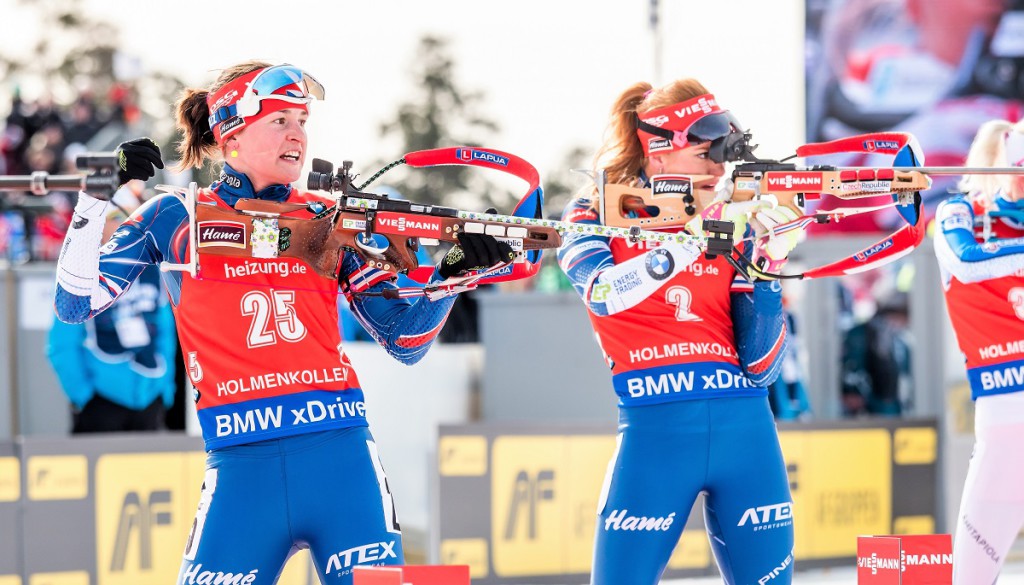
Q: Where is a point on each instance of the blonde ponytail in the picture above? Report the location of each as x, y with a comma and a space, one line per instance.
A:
988, 150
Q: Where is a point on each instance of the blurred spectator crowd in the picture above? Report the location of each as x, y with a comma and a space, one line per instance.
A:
41, 135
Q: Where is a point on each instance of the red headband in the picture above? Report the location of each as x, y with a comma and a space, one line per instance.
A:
677, 119
238, 102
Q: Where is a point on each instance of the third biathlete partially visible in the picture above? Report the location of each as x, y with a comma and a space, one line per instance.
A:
980, 249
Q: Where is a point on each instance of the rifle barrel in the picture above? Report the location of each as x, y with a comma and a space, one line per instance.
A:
41, 183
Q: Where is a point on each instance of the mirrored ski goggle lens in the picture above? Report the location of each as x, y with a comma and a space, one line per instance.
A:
286, 81
711, 127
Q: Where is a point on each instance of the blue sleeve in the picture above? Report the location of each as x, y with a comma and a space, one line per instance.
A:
405, 328
583, 257
65, 349
145, 238
347, 324
167, 347
760, 328
959, 252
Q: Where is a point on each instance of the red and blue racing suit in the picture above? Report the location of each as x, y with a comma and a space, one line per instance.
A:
691, 347
981, 257
291, 462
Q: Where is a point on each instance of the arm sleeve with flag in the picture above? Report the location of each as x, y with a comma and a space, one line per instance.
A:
962, 256
587, 261
760, 328
406, 327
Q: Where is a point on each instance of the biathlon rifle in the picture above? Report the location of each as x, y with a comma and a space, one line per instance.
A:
387, 232
839, 192
100, 179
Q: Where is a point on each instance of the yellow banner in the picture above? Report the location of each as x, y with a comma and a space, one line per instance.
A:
692, 551
57, 477
466, 551
460, 455
142, 516
10, 482
842, 487
63, 578
915, 446
544, 493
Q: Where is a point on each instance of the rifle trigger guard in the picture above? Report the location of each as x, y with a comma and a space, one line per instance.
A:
367, 243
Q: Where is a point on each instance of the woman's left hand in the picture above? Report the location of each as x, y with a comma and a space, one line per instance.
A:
738, 212
775, 248
474, 252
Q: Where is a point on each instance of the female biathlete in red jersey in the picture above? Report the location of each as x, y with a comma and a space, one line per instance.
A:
692, 347
291, 462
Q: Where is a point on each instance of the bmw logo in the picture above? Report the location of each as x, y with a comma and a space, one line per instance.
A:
660, 264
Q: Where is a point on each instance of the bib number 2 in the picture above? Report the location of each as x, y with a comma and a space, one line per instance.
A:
682, 298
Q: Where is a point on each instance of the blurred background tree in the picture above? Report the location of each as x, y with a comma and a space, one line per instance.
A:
75, 59
439, 113
561, 184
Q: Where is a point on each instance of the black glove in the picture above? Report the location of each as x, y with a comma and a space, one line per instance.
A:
474, 252
138, 159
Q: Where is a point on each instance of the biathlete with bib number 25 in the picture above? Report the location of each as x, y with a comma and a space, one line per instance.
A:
291, 463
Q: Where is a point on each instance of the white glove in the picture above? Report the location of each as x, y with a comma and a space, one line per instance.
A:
91, 208
738, 212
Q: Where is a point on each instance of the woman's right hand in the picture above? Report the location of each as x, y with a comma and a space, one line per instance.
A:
138, 159
777, 246
738, 212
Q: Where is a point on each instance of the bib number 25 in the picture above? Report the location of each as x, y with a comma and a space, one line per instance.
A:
273, 317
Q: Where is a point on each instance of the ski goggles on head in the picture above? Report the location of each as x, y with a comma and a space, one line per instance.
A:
258, 94
694, 121
1014, 143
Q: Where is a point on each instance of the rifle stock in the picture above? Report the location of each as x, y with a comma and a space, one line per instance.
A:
790, 185
386, 240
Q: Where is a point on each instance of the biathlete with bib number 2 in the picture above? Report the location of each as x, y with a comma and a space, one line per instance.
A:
692, 346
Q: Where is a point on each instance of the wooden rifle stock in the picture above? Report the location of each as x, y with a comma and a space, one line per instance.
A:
791, 186
265, 229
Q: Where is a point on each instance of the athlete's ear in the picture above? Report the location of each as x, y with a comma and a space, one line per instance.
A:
657, 163
230, 145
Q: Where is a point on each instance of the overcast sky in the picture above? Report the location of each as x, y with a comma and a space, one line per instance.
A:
550, 69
